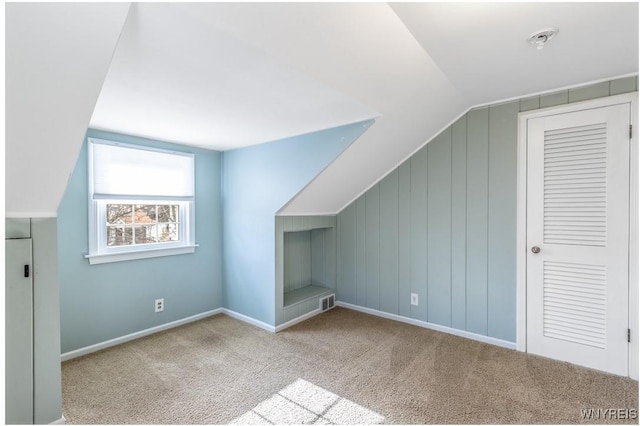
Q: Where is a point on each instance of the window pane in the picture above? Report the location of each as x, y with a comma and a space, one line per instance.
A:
145, 213
146, 234
167, 213
142, 224
119, 236
118, 214
168, 232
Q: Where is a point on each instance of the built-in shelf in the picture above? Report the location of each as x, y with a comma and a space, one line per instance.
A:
305, 264
304, 293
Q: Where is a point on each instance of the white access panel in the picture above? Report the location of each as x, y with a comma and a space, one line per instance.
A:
18, 332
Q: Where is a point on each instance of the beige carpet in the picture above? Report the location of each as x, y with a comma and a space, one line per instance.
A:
341, 367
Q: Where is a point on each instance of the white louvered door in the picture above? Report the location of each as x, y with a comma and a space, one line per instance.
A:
578, 217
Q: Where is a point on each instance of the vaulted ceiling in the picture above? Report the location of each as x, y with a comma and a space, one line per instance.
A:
228, 75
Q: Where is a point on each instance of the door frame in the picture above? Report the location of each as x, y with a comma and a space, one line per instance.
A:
521, 236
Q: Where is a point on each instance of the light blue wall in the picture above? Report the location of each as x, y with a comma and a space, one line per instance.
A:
443, 224
105, 301
258, 181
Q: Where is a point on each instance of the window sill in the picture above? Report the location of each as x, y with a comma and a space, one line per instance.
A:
96, 259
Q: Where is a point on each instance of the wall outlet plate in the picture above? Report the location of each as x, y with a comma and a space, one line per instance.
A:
414, 299
159, 305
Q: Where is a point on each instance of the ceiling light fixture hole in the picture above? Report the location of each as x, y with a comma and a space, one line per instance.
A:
541, 37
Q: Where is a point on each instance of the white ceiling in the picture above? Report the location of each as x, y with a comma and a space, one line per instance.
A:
56, 58
482, 48
177, 77
225, 75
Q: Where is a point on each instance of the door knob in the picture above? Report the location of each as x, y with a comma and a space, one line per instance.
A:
535, 249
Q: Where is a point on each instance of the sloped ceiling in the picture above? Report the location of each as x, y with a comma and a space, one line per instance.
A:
57, 56
227, 75
481, 46
480, 50
176, 76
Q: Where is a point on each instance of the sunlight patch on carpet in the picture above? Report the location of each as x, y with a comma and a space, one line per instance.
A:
303, 402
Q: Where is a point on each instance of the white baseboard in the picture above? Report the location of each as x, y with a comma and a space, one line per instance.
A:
298, 320
60, 421
270, 328
431, 326
138, 334
248, 320
123, 339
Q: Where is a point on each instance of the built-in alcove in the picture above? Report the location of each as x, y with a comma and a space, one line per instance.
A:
306, 257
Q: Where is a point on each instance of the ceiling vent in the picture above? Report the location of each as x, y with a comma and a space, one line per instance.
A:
541, 37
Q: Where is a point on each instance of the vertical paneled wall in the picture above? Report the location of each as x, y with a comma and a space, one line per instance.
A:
297, 260
323, 257
309, 258
305, 253
443, 224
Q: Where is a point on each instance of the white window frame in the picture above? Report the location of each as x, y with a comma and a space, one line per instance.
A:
99, 252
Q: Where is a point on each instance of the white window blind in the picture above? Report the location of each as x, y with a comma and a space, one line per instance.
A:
141, 202
121, 171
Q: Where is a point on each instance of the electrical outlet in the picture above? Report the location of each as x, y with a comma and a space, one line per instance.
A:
414, 299
159, 305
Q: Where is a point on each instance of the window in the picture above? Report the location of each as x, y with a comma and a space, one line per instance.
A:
140, 202
135, 224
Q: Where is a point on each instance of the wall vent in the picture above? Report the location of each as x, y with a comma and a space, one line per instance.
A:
327, 302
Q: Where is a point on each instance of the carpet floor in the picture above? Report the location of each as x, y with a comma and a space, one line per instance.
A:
341, 367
